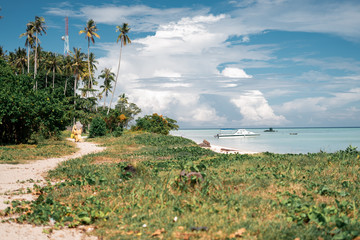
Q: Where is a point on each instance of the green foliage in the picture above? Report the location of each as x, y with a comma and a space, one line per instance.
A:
266, 196
24, 111
97, 127
118, 131
156, 123
121, 116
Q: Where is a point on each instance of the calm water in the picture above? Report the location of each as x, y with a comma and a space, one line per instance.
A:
307, 140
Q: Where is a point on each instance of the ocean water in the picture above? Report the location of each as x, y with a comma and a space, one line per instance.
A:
284, 140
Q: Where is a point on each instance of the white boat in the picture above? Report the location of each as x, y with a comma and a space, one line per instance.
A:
237, 133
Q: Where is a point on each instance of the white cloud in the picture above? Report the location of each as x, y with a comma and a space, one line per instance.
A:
166, 73
235, 73
256, 111
185, 107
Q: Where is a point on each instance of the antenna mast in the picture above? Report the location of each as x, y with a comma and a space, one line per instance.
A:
66, 37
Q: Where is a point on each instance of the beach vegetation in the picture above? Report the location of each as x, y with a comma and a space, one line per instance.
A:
156, 124
24, 112
36, 150
135, 189
97, 127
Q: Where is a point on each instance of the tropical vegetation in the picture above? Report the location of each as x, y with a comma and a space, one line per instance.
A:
147, 185
50, 74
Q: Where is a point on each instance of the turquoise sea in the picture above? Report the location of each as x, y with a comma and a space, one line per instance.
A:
284, 140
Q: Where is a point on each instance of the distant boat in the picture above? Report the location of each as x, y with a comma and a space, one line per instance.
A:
270, 130
293, 133
237, 133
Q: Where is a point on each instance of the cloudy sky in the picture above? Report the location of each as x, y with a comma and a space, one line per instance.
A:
236, 63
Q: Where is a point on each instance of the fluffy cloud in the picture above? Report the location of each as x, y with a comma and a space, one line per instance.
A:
256, 111
185, 107
235, 73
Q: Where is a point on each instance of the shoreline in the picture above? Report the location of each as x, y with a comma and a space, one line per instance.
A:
226, 150
221, 149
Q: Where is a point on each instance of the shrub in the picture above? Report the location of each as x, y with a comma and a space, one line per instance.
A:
156, 123
118, 131
97, 127
24, 111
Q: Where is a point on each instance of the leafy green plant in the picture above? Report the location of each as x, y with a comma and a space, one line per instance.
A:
97, 127
155, 123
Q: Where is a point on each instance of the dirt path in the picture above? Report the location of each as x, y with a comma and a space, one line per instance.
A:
14, 181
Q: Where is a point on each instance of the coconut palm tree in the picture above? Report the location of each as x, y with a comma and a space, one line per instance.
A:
77, 67
88, 85
2, 52
29, 43
68, 69
124, 39
54, 63
90, 31
38, 27
20, 60
108, 77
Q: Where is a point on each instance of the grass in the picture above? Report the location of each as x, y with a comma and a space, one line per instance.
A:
43, 149
263, 196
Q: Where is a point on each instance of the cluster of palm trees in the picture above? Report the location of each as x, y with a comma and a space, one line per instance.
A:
78, 65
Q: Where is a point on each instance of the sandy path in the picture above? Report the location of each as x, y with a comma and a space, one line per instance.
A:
17, 178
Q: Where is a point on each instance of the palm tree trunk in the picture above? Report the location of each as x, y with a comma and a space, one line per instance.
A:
28, 58
90, 83
104, 101
35, 64
53, 77
75, 96
46, 80
117, 75
65, 86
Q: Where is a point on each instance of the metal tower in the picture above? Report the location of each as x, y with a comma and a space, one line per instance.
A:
66, 37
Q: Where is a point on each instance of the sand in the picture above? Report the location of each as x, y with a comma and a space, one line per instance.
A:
226, 150
14, 181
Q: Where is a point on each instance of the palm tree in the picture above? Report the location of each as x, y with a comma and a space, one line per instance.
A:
90, 31
53, 63
68, 68
77, 67
2, 52
38, 26
29, 43
20, 60
124, 39
88, 85
108, 77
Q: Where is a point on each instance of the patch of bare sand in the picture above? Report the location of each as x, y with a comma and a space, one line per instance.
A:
14, 181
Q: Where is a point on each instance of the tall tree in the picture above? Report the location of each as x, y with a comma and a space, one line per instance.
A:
77, 67
54, 63
90, 31
108, 77
124, 39
2, 52
38, 27
29, 43
20, 60
68, 69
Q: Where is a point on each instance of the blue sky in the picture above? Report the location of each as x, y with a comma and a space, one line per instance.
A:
236, 63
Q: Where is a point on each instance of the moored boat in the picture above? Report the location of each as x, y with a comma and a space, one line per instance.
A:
237, 133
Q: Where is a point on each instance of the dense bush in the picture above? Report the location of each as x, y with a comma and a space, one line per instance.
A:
24, 111
97, 127
156, 123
